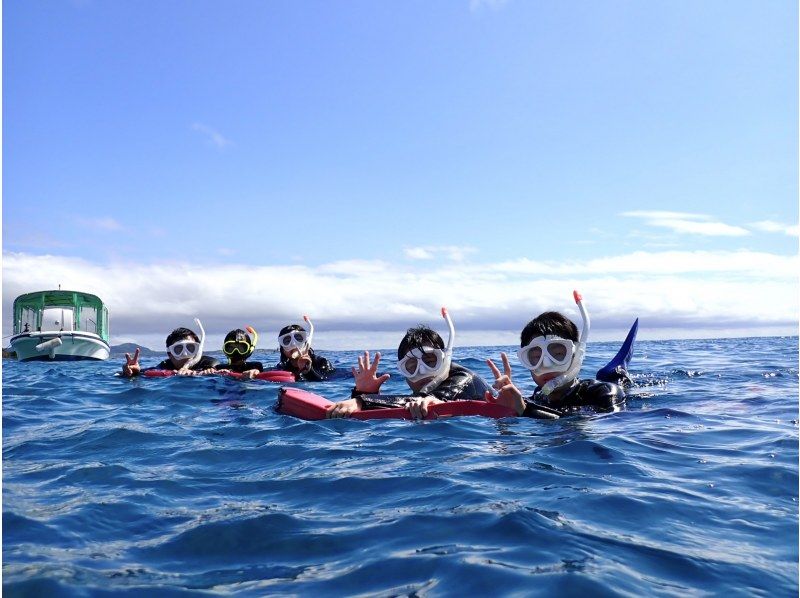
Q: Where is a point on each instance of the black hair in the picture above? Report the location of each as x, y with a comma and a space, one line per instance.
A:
549, 323
237, 335
417, 337
180, 333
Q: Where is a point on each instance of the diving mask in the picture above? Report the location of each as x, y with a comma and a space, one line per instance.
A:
183, 349
546, 354
421, 363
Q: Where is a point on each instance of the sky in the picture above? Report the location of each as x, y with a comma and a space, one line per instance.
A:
368, 162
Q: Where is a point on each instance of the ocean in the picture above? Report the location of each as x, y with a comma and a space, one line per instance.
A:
197, 487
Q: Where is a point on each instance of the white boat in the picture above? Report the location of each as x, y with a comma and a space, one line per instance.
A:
60, 326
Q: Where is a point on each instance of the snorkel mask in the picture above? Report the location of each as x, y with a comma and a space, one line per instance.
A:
295, 342
547, 354
424, 362
181, 349
241, 346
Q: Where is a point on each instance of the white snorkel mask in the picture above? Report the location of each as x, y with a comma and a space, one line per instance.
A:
297, 341
424, 362
547, 354
199, 354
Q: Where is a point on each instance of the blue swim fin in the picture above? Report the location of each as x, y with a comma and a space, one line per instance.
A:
616, 370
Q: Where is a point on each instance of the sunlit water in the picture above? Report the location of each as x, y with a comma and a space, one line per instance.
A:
160, 487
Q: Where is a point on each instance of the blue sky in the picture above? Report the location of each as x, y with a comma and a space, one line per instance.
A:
368, 161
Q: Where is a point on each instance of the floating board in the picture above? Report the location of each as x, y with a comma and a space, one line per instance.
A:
270, 376
310, 406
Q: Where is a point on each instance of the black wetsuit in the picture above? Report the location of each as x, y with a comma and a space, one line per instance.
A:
461, 384
599, 396
241, 366
205, 363
321, 368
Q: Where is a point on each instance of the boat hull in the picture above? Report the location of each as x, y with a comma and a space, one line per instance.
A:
74, 346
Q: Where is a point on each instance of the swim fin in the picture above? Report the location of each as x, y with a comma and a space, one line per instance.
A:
616, 370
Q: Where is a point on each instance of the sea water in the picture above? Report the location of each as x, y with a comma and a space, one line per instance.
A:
196, 486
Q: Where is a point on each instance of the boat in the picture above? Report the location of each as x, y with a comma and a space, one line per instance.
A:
60, 326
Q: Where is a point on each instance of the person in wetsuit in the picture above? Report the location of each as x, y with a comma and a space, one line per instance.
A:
298, 357
183, 346
238, 346
550, 349
427, 366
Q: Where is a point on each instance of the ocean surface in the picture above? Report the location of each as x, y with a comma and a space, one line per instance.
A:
195, 487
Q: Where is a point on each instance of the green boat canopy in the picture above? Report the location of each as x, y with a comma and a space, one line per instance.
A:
88, 312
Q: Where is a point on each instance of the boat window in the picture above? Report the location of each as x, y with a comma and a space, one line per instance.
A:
27, 320
57, 318
89, 318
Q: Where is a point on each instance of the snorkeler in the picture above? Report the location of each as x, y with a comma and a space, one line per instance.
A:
238, 346
184, 355
426, 364
553, 352
298, 357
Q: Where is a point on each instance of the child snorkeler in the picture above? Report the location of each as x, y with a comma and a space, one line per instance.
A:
298, 357
426, 364
552, 351
238, 346
184, 355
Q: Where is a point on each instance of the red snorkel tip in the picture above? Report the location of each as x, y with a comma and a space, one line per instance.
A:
578, 297
305, 318
444, 312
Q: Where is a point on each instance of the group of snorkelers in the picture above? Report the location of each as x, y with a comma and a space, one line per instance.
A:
551, 349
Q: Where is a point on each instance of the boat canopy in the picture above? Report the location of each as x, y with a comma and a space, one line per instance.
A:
78, 311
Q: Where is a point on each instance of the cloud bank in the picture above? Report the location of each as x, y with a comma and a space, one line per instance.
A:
734, 291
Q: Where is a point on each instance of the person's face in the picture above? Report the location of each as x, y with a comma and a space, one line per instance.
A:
179, 361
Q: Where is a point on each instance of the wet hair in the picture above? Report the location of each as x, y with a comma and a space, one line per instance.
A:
549, 323
180, 333
237, 335
417, 337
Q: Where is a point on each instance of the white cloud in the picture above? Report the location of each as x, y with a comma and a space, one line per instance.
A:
669, 290
213, 136
686, 223
451, 252
771, 226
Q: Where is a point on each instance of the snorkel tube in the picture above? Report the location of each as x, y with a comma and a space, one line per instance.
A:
199, 353
448, 356
580, 351
310, 331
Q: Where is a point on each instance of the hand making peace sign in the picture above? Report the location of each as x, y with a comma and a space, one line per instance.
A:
507, 394
131, 367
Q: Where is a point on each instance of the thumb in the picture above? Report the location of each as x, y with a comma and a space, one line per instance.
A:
490, 398
384, 378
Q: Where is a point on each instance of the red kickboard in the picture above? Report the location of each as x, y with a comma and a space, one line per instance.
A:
270, 376
310, 406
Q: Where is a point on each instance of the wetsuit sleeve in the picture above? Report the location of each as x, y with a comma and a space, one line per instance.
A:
205, 363
378, 401
603, 396
461, 385
164, 365
321, 368
538, 411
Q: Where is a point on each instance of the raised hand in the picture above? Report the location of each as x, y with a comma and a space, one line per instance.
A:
131, 367
302, 362
507, 393
366, 380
